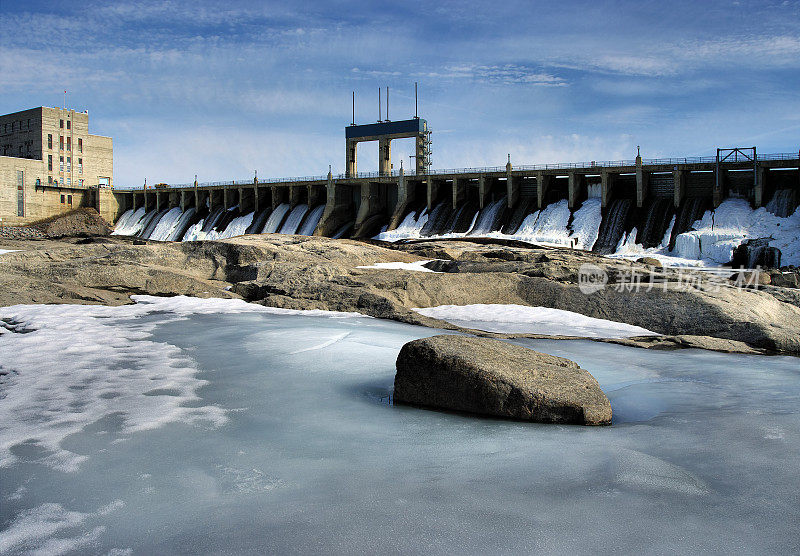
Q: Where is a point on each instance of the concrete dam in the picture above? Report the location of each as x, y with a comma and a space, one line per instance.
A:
638, 205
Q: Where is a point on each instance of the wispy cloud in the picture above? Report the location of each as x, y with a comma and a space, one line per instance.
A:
227, 88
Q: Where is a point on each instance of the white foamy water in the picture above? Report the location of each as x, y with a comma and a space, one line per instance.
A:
179, 230
238, 226
409, 228
130, 223
194, 232
531, 320
483, 223
277, 436
166, 225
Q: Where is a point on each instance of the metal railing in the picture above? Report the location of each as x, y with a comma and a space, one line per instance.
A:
476, 170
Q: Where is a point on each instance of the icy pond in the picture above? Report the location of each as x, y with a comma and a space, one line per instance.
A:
194, 427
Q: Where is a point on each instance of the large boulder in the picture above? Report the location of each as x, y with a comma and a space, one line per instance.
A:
490, 377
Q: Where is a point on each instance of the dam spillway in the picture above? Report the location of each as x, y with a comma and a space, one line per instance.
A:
609, 207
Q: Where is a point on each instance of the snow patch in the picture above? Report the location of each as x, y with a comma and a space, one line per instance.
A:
417, 266
531, 320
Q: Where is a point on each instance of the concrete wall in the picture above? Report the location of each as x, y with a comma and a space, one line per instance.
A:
40, 201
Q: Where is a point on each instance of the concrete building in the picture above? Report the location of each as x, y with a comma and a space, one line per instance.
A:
49, 163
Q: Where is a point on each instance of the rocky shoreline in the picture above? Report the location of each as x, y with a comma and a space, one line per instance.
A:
301, 272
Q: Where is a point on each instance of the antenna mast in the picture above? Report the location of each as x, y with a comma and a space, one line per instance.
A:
380, 110
416, 113
387, 104
354, 109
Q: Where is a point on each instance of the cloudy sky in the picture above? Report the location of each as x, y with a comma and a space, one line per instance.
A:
223, 89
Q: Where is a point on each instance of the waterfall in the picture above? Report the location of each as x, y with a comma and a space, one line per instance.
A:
276, 218
410, 227
464, 219
258, 221
194, 231
437, 219
690, 212
204, 229
526, 206
489, 218
130, 223
182, 225
225, 220
612, 228
238, 226
550, 228
782, 203
152, 223
311, 222
344, 231
294, 219
124, 219
212, 219
166, 225
595, 190
586, 224
657, 217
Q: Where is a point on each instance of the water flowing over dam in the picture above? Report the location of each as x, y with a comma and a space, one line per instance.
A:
690, 210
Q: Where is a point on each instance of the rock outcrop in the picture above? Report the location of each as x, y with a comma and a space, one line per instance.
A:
298, 272
490, 377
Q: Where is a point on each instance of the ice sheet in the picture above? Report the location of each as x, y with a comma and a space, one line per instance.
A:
62, 380
313, 457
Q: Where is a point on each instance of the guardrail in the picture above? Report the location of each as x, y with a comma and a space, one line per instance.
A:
478, 170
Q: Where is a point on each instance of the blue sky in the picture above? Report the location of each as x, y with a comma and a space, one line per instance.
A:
223, 89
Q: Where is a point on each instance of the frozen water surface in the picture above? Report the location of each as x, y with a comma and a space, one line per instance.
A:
301, 451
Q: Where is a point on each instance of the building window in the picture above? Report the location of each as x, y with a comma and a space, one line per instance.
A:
80, 166
61, 124
20, 194
68, 124
29, 123
63, 199
69, 199
61, 142
69, 143
69, 164
80, 182
49, 162
69, 182
49, 140
61, 163
80, 145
